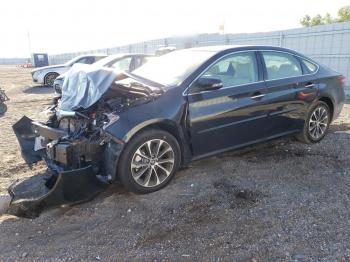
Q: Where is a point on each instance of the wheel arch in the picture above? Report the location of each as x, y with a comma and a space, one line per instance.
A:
329, 103
166, 125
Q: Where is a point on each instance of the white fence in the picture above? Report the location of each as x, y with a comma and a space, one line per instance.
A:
327, 44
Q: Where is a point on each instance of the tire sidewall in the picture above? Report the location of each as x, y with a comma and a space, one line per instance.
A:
124, 171
306, 129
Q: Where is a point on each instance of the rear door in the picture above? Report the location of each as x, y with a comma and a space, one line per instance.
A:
233, 115
286, 82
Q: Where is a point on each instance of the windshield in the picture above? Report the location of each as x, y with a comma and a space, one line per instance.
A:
107, 60
71, 62
173, 68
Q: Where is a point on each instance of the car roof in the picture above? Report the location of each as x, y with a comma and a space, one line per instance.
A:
221, 48
128, 54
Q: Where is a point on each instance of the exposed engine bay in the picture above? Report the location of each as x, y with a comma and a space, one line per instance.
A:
78, 138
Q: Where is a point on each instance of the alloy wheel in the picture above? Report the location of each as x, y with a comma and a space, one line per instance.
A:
318, 122
50, 79
152, 163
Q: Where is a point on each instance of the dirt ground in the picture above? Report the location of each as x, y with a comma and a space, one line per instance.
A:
280, 201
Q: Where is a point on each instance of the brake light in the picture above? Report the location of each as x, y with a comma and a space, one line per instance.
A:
341, 80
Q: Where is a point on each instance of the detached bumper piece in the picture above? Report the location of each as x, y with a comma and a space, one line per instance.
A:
26, 139
32, 196
73, 168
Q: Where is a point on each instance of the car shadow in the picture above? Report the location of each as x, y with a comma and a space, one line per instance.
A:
38, 90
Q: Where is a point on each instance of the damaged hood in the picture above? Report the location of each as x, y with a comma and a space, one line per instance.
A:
84, 85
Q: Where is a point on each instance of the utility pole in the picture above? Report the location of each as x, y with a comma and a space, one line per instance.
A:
29, 45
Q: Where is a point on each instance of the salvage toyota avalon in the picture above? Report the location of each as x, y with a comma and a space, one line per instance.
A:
180, 107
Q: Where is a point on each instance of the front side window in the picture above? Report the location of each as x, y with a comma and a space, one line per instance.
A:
122, 65
281, 65
236, 69
86, 60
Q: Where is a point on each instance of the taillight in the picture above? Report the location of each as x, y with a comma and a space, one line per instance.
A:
341, 80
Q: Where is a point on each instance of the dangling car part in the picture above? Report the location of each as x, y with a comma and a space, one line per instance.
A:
180, 107
3, 98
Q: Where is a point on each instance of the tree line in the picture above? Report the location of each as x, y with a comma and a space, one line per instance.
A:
343, 15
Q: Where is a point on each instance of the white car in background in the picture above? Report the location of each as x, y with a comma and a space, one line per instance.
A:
120, 62
47, 75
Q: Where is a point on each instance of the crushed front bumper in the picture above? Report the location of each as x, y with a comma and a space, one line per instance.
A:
32, 196
67, 182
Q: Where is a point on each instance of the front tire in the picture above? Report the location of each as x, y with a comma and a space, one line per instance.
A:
149, 161
316, 124
50, 79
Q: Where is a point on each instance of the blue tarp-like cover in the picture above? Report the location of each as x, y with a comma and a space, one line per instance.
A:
84, 85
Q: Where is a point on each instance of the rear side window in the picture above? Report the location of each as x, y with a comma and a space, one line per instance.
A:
236, 69
311, 67
281, 65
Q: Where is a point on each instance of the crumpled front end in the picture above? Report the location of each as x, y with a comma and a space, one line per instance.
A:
81, 156
76, 167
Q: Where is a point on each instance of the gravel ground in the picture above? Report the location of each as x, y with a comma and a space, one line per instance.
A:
279, 201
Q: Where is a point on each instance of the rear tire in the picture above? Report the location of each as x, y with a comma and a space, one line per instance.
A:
149, 161
316, 124
50, 79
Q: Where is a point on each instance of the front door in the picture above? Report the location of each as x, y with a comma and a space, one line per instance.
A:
233, 115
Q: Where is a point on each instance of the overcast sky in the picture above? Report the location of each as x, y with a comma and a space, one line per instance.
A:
73, 25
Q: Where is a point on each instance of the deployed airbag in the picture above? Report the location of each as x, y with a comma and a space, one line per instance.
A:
84, 85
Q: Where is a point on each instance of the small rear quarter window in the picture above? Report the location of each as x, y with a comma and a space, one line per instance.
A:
311, 67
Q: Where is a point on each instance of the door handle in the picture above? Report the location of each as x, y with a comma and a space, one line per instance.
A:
257, 95
309, 85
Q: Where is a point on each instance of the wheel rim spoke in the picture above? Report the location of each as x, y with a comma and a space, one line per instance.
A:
139, 164
161, 154
159, 145
148, 148
165, 170
139, 153
148, 177
140, 172
156, 175
163, 161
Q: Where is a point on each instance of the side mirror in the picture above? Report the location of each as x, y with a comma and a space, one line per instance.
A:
209, 83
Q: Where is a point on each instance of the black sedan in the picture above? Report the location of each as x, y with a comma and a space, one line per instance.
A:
180, 107
213, 99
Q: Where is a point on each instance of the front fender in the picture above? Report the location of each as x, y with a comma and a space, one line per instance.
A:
125, 132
